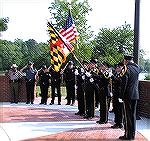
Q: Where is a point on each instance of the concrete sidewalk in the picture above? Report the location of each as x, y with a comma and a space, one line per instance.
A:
58, 122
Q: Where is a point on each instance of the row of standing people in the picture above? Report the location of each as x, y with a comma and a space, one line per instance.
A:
124, 90
93, 85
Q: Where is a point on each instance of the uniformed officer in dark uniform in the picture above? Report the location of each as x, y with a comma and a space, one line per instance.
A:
117, 106
104, 91
69, 77
129, 96
31, 75
80, 89
55, 85
44, 78
89, 89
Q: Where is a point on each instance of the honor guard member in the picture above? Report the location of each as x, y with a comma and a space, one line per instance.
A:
31, 75
117, 106
80, 89
14, 76
104, 91
69, 77
89, 89
44, 78
129, 96
55, 85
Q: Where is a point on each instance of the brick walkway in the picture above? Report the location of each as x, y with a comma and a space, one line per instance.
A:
54, 122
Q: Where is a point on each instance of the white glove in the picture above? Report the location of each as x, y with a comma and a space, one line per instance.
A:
88, 74
83, 77
111, 94
91, 80
82, 70
120, 100
76, 72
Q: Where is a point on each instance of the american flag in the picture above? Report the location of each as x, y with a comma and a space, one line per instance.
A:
69, 31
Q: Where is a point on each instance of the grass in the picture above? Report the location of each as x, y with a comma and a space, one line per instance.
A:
62, 89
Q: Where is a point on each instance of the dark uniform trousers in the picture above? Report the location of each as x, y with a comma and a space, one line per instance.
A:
103, 106
14, 89
130, 116
90, 99
55, 85
30, 90
118, 111
44, 93
70, 87
81, 99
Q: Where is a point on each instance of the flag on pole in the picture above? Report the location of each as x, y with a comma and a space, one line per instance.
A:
69, 30
59, 48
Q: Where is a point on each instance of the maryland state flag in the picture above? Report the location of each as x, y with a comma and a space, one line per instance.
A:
59, 48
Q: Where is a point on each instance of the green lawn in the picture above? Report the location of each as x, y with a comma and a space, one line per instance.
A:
63, 91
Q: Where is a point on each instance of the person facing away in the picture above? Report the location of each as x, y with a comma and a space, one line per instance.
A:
14, 81
31, 75
129, 96
44, 77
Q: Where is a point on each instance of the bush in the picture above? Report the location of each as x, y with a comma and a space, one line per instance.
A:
147, 77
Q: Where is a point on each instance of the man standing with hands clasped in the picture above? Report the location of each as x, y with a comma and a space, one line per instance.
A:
129, 96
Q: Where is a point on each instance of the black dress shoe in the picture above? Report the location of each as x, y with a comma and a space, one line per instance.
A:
101, 122
51, 103
27, 102
125, 138
59, 103
32, 103
116, 126
78, 113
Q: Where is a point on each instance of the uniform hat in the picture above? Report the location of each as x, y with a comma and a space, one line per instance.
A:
93, 61
84, 62
70, 63
44, 67
14, 66
128, 57
30, 63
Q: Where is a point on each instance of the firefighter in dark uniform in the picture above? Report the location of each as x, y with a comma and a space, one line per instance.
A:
89, 89
104, 91
44, 78
117, 106
31, 76
129, 96
69, 77
55, 84
80, 89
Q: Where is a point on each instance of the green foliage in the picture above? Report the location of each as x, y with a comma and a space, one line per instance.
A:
79, 10
111, 44
21, 52
147, 77
3, 24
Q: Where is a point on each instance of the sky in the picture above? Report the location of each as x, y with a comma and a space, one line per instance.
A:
28, 18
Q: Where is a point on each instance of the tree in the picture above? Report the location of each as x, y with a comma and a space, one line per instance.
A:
79, 9
111, 44
3, 24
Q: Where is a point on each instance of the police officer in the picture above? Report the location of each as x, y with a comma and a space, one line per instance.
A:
55, 85
80, 89
31, 75
89, 89
117, 106
129, 96
14, 81
44, 78
69, 77
104, 91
